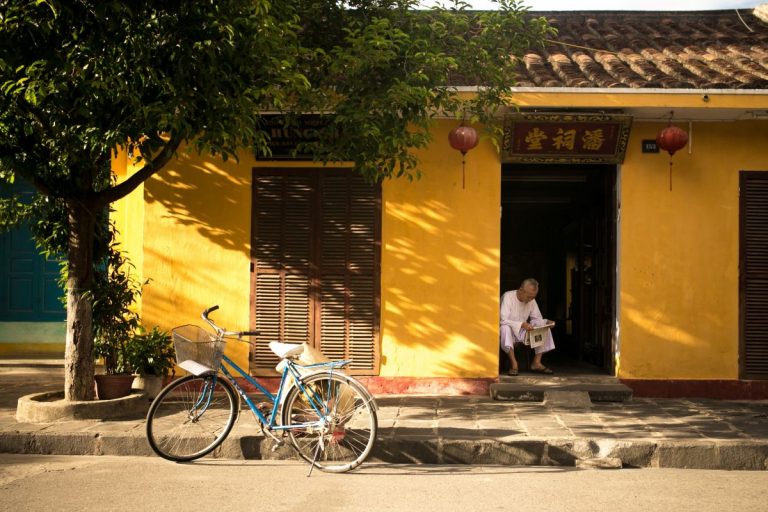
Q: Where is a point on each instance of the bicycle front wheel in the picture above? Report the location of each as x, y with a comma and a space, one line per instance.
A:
191, 417
342, 434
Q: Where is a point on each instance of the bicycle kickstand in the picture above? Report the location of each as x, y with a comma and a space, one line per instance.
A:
314, 459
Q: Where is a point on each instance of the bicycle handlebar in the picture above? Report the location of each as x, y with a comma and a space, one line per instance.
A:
222, 332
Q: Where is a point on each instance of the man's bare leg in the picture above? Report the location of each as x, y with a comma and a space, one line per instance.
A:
538, 366
512, 359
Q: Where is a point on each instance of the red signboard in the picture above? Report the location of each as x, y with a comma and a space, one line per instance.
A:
565, 138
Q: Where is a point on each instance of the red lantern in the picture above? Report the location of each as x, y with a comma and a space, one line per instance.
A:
671, 139
463, 138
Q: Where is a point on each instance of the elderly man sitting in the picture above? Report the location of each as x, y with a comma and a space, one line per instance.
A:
520, 314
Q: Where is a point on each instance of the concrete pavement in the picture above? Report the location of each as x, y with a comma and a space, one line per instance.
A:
689, 433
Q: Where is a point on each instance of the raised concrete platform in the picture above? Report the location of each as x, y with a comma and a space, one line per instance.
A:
529, 388
50, 407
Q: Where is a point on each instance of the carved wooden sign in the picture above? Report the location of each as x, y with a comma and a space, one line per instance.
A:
285, 138
565, 138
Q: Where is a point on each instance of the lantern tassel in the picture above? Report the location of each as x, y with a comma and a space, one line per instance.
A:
462, 169
670, 174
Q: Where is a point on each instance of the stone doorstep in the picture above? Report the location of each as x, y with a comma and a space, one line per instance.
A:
526, 392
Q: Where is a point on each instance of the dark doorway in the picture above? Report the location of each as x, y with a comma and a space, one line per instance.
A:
558, 225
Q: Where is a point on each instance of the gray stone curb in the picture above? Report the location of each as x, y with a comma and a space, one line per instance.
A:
683, 454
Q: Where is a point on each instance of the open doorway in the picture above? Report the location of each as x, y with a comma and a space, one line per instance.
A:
558, 225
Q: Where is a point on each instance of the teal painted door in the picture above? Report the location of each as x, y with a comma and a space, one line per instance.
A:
29, 290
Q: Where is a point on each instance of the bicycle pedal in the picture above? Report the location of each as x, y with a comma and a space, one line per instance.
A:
278, 443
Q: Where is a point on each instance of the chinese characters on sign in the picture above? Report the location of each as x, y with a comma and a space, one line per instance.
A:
284, 138
591, 140
565, 138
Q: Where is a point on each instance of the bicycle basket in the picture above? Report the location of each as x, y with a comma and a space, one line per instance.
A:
196, 344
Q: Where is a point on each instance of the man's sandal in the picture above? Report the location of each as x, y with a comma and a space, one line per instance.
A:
512, 372
543, 370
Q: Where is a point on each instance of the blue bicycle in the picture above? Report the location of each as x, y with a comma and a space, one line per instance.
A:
329, 417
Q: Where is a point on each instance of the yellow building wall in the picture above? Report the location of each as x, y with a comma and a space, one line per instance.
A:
196, 232
440, 265
679, 251
677, 254
440, 252
128, 216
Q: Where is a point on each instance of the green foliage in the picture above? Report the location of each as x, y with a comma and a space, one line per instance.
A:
80, 80
384, 71
114, 320
150, 353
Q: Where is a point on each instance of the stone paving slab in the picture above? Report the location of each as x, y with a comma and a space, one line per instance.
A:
645, 432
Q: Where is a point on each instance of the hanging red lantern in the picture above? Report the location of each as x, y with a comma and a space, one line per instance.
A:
463, 138
671, 139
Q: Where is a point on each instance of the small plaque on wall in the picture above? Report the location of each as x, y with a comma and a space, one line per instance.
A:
650, 146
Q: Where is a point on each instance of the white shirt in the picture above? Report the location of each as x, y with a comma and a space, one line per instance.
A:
514, 312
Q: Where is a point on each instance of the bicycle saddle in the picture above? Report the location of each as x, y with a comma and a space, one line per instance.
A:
285, 350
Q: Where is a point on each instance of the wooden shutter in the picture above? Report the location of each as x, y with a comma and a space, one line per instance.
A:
348, 271
753, 275
315, 259
282, 250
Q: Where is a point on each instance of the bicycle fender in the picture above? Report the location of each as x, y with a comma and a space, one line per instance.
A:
368, 396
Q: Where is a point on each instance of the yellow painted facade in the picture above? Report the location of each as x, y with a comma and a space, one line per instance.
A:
440, 258
188, 230
679, 252
440, 248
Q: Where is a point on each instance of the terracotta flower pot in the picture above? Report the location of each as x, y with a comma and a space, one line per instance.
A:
113, 386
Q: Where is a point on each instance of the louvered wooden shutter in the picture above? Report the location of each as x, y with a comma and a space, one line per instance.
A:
754, 275
315, 251
348, 298
282, 251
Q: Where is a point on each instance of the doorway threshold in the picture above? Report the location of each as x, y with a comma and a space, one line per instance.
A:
534, 388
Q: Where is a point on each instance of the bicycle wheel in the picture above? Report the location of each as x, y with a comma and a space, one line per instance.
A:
191, 417
342, 436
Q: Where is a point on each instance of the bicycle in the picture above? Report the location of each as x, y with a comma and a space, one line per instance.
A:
329, 417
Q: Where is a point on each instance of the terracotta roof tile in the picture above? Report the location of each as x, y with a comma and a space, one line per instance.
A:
669, 50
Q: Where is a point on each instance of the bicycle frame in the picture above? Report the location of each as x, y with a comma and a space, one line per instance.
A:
290, 370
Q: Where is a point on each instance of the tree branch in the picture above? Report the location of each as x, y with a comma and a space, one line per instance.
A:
112, 194
7, 154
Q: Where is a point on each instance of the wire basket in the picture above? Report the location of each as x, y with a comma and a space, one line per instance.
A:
193, 343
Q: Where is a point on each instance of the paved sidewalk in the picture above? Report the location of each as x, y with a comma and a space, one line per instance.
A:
693, 433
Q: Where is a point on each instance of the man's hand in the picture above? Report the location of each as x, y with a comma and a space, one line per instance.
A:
527, 326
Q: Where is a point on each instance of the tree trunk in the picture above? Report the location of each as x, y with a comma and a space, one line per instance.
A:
78, 358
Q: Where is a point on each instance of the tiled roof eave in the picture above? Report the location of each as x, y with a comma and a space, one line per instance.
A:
623, 90
676, 52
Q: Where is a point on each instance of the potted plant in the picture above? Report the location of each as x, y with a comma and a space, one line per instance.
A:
151, 355
114, 324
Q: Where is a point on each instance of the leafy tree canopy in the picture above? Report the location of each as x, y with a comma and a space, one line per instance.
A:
80, 79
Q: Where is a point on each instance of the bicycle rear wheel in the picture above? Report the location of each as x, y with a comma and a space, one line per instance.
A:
191, 417
342, 436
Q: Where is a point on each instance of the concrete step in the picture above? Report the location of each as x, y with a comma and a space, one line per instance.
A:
536, 392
